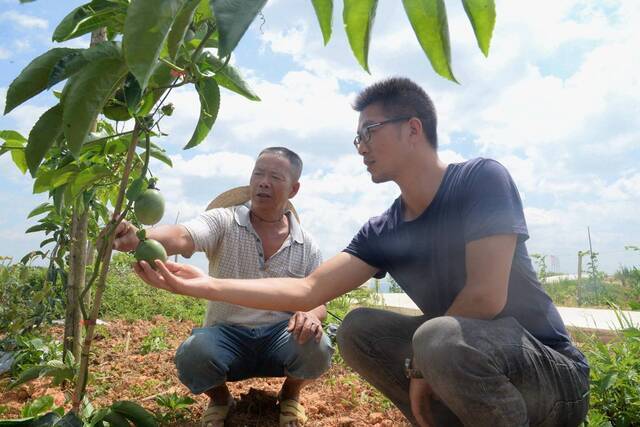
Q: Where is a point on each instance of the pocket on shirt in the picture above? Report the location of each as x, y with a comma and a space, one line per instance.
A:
295, 272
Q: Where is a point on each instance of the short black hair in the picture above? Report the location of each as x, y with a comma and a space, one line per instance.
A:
294, 160
400, 96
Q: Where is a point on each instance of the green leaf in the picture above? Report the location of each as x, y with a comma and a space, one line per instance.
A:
482, 14
41, 227
54, 178
16, 148
209, 92
136, 188
203, 12
58, 199
134, 412
75, 61
607, 382
132, 93
40, 209
429, 21
87, 177
228, 76
160, 155
12, 135
85, 96
20, 160
38, 406
324, 12
42, 136
115, 419
45, 242
358, 17
233, 17
145, 30
33, 372
34, 78
87, 18
180, 26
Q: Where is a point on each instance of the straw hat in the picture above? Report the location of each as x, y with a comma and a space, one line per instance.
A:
239, 196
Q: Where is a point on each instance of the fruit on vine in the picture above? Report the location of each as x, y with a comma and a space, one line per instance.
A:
150, 250
116, 108
149, 206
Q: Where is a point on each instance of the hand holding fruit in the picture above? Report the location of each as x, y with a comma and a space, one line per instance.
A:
126, 239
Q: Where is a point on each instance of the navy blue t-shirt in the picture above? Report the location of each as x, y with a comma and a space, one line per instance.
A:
426, 256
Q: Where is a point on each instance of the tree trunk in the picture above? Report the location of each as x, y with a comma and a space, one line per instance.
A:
78, 260
104, 255
76, 282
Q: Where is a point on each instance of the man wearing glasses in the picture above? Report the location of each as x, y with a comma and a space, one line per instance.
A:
491, 348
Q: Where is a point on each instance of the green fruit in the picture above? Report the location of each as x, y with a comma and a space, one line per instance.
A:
116, 108
115, 111
150, 250
149, 207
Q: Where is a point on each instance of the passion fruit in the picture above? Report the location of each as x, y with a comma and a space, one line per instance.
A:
150, 250
116, 108
149, 206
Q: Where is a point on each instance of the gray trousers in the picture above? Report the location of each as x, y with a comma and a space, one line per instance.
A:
484, 372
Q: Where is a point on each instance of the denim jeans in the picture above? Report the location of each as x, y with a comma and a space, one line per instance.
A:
216, 354
483, 372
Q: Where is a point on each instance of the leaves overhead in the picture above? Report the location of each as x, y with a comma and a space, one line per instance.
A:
233, 17
85, 96
358, 16
324, 13
42, 137
429, 21
145, 30
482, 14
89, 17
34, 78
180, 26
227, 76
209, 105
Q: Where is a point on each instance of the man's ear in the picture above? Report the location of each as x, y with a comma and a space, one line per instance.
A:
294, 190
415, 124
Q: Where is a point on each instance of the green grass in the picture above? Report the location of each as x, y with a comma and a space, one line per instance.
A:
615, 376
127, 297
565, 293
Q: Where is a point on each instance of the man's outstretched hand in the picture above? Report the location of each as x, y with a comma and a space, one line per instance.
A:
174, 277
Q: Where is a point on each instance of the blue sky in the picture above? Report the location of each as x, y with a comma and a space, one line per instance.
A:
557, 102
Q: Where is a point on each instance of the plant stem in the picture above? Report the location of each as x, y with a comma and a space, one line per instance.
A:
104, 258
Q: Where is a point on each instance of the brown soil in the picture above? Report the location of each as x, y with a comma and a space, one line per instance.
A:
121, 372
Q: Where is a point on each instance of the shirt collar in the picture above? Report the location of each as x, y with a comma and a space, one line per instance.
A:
243, 219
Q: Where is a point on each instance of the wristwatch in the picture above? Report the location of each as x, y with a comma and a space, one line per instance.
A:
409, 370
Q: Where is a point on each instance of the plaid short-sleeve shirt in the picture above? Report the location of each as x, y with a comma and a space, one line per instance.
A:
234, 250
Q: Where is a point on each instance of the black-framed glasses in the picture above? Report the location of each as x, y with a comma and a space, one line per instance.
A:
365, 136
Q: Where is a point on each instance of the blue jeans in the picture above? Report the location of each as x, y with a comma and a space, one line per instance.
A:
489, 373
216, 354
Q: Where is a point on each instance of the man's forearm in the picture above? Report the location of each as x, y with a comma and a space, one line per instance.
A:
320, 312
175, 239
281, 294
477, 303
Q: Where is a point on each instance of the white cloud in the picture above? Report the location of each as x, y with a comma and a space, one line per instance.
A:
4, 53
303, 104
218, 165
23, 20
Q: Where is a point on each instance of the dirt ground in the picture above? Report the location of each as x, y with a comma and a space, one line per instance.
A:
121, 372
